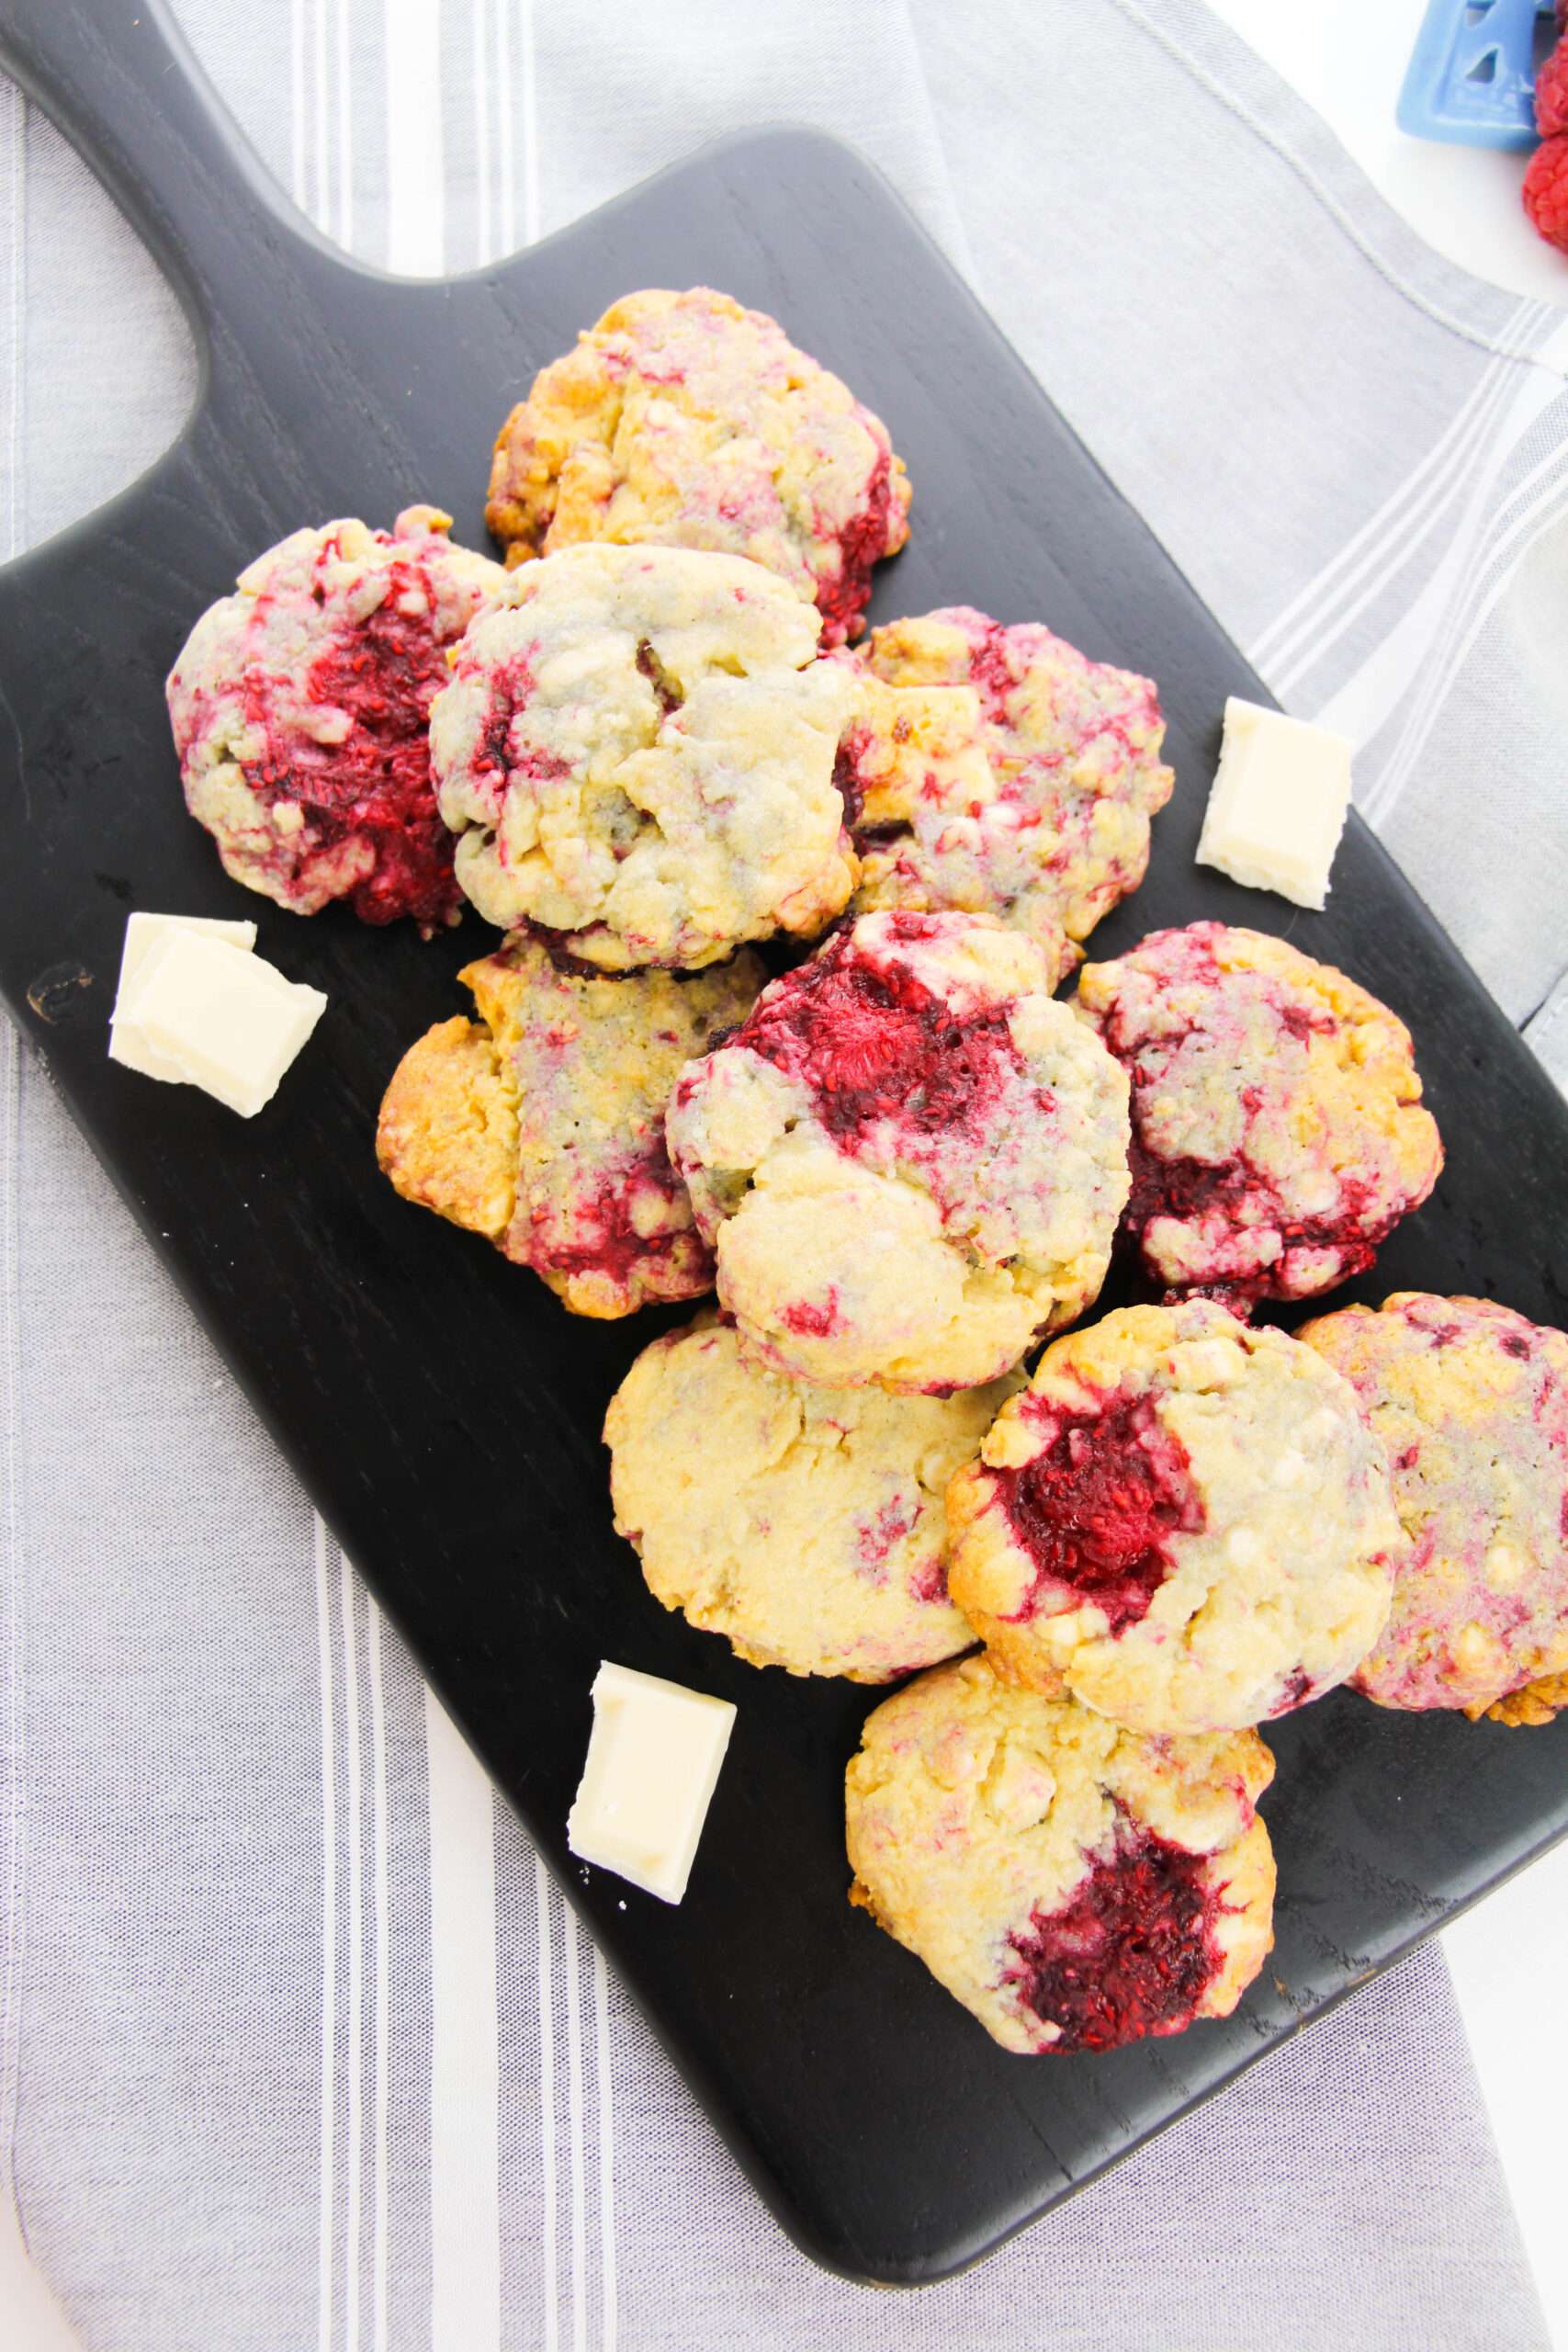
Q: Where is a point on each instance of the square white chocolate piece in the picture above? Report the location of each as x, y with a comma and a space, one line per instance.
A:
215, 1016
1278, 803
143, 932
653, 1763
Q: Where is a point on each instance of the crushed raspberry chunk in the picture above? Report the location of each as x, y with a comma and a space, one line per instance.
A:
877, 1043
1546, 191
1096, 1506
812, 1319
599, 1233
375, 784
841, 598
1295, 1691
1132, 1953
875, 1537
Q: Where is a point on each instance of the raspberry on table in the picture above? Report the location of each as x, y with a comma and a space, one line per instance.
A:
1545, 190
1551, 91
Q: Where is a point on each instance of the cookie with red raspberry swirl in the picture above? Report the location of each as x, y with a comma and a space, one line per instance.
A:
636, 751
687, 421
300, 709
1471, 1403
1183, 1522
910, 1159
1029, 800
1076, 1885
541, 1125
1277, 1129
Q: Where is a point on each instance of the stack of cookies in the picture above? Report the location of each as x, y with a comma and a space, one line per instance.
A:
655, 750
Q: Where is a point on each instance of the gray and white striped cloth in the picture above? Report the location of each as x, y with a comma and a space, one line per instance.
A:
298, 2044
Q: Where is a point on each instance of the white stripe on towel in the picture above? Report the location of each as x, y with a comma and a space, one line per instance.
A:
465, 2068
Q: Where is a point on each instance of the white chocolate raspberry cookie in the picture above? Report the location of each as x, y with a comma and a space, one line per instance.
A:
636, 749
541, 1125
1470, 1402
1182, 1521
1028, 791
911, 1159
1076, 1886
683, 420
1278, 1133
300, 708
805, 1524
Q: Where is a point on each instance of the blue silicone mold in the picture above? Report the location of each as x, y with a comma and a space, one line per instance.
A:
1471, 74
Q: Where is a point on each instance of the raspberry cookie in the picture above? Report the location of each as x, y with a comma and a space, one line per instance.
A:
1029, 800
1470, 1402
683, 420
1278, 1133
911, 1159
637, 749
541, 1125
1183, 1522
300, 709
1075, 1885
805, 1524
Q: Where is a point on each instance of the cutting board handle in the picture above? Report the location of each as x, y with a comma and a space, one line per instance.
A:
122, 84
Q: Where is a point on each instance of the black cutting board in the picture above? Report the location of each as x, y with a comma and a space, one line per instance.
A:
440, 1407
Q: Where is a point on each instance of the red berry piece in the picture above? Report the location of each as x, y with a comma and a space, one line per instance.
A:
1545, 190
1551, 93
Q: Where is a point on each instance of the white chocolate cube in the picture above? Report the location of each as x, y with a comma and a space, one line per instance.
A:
1278, 803
210, 1013
653, 1764
143, 933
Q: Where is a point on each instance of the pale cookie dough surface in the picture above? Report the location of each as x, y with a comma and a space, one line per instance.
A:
1026, 790
911, 1159
1471, 1403
541, 1125
1277, 1131
684, 420
1076, 1886
1183, 1522
636, 749
805, 1524
300, 708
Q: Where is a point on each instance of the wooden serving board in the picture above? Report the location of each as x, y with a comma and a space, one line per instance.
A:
440, 1407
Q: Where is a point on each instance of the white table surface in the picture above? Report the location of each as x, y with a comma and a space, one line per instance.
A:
1348, 58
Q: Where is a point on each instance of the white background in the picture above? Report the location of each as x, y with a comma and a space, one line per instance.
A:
1348, 58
